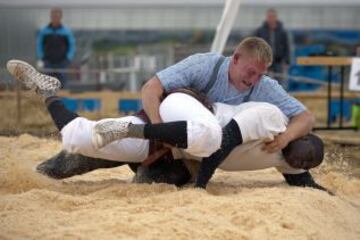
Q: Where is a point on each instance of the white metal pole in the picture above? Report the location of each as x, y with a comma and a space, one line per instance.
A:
225, 25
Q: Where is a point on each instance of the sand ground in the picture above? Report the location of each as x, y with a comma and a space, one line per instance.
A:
105, 205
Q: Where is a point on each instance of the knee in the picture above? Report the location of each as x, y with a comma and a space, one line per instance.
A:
182, 107
76, 135
270, 113
261, 122
204, 138
170, 108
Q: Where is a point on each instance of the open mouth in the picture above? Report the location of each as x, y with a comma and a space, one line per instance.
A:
247, 84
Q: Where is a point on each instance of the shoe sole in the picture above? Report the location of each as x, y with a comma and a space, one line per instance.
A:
14, 69
13, 66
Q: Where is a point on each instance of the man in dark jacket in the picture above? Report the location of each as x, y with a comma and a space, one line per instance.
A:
55, 45
274, 34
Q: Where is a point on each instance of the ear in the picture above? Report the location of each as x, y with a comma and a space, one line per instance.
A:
236, 57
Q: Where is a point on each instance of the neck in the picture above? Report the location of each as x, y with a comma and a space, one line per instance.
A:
55, 25
272, 26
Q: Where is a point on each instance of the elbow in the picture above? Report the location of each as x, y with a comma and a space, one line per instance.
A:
153, 87
308, 118
145, 88
312, 119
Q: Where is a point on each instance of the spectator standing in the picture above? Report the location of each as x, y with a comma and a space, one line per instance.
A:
273, 32
56, 45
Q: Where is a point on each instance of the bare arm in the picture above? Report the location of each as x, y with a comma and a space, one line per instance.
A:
299, 126
151, 94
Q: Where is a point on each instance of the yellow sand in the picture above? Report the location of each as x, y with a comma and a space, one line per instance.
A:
104, 205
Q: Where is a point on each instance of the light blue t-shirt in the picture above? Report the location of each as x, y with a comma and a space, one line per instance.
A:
195, 72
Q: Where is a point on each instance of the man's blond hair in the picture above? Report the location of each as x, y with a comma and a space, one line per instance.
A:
256, 47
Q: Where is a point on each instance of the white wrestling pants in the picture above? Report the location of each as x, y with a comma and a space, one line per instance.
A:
257, 121
76, 138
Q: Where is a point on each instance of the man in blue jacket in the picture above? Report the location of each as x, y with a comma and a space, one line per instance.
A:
56, 45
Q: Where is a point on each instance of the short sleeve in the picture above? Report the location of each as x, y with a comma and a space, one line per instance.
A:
271, 91
192, 72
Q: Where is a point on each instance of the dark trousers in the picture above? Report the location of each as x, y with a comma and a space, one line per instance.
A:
59, 114
53, 67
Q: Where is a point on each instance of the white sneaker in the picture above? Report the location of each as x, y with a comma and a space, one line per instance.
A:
44, 85
107, 131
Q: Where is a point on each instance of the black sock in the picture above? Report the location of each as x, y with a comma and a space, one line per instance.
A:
136, 130
231, 138
60, 115
174, 133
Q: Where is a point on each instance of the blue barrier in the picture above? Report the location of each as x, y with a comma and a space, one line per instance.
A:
129, 105
310, 50
71, 104
90, 104
87, 104
305, 71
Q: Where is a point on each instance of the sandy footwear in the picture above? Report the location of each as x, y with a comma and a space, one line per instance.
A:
107, 131
44, 85
66, 164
